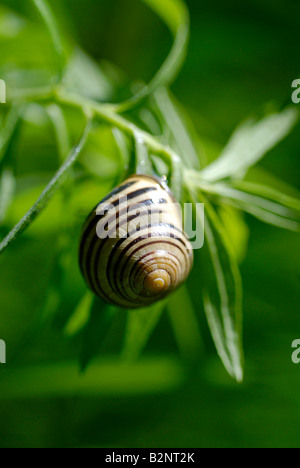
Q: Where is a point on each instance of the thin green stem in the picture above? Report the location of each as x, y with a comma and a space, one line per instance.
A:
106, 114
175, 15
60, 128
49, 191
8, 129
42, 93
142, 160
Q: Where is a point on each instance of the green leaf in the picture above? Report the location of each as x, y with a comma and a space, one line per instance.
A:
122, 143
266, 204
84, 76
250, 142
61, 130
101, 317
185, 325
11, 24
268, 193
49, 222
260, 176
225, 322
8, 138
55, 290
140, 326
51, 24
80, 316
150, 121
26, 70
223, 294
237, 229
7, 191
176, 127
65, 287
174, 14
48, 193
63, 141
176, 175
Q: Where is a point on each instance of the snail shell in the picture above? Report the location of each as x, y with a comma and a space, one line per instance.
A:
133, 251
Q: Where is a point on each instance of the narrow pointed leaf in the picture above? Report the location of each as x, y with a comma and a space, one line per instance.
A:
223, 295
52, 26
101, 317
140, 326
175, 126
184, 323
81, 315
266, 204
250, 142
7, 191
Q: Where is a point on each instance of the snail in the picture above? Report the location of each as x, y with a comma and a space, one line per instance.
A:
133, 251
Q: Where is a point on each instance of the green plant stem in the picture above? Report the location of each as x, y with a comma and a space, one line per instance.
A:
175, 15
105, 113
142, 160
42, 93
8, 129
92, 110
45, 197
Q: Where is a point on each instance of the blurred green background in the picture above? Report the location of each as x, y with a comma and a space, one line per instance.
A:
242, 59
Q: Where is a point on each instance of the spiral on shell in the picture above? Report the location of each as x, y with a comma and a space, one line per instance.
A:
133, 251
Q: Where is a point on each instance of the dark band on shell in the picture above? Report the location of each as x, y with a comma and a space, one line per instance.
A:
133, 251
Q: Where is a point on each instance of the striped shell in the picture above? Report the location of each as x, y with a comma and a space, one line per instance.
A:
142, 254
